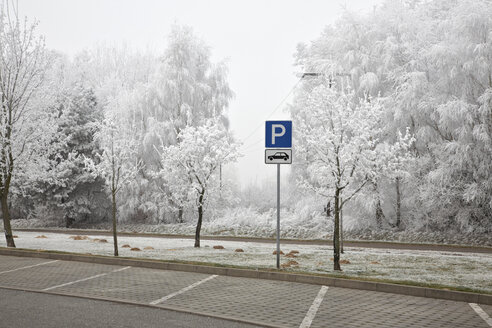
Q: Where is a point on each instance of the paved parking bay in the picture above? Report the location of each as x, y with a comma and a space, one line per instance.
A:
261, 302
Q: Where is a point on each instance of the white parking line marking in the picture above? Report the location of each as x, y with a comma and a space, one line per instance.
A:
29, 266
88, 278
308, 319
481, 313
165, 298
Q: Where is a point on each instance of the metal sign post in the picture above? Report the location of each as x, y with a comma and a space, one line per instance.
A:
278, 135
278, 216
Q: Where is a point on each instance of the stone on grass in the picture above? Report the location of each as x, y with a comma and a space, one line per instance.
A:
289, 264
239, 250
341, 261
41, 236
79, 237
218, 247
148, 247
275, 253
135, 249
126, 246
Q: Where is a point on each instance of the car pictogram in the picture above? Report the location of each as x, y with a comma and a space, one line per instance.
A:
279, 155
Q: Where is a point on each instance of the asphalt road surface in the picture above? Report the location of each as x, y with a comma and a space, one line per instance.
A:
20, 309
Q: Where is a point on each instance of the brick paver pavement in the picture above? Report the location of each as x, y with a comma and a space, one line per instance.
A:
487, 309
344, 307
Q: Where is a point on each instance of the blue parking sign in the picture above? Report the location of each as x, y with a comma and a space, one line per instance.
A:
278, 134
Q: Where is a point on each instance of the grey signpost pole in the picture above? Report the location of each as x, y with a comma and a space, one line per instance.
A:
278, 144
278, 216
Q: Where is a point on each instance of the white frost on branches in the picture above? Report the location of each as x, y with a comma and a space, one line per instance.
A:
339, 139
190, 168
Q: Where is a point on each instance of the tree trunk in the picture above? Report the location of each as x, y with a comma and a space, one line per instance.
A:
200, 217
379, 209
220, 181
180, 214
68, 221
328, 209
336, 234
115, 236
379, 214
341, 225
6, 221
398, 203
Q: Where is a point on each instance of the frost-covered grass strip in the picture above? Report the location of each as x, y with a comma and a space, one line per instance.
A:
463, 271
85, 279
481, 313
165, 298
308, 319
29, 266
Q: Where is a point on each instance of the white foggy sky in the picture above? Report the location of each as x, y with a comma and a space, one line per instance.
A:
258, 39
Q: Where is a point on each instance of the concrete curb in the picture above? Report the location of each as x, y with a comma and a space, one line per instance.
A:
258, 274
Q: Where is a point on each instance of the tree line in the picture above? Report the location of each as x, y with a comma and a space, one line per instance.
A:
397, 112
111, 132
393, 125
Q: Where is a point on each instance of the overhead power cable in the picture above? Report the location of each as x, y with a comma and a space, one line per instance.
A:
273, 112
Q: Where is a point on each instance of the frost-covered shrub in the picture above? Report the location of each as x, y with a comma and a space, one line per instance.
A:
248, 221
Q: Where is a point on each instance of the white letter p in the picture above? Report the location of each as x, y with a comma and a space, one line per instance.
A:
274, 135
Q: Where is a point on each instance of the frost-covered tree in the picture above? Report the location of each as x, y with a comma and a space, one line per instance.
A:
431, 61
397, 167
190, 167
24, 128
186, 89
391, 171
118, 162
74, 191
109, 69
340, 139
456, 97
340, 136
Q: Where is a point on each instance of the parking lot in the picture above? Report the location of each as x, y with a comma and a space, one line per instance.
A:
256, 301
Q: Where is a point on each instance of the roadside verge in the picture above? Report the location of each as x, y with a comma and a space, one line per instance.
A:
259, 274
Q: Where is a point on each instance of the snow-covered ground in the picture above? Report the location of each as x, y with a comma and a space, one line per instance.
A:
251, 224
446, 268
